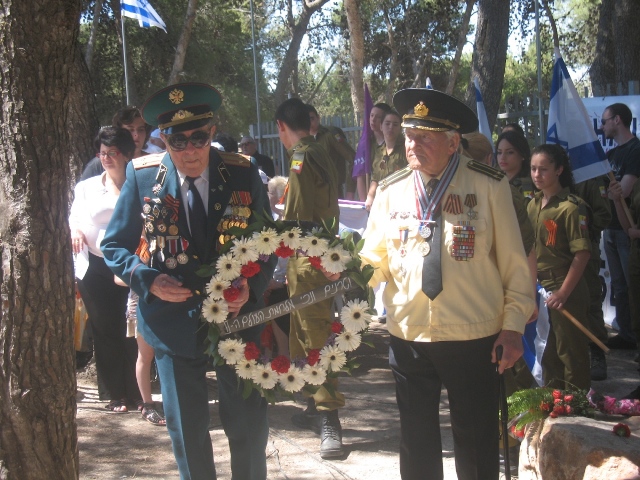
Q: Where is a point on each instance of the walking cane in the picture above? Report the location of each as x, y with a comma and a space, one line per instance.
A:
504, 416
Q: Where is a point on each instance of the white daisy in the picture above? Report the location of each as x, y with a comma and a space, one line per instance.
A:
348, 341
314, 375
314, 246
244, 250
231, 350
354, 315
216, 286
264, 376
292, 381
266, 241
214, 310
331, 357
335, 259
228, 267
245, 368
292, 238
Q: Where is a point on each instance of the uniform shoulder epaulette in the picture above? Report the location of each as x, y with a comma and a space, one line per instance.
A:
298, 155
394, 177
485, 169
235, 159
152, 160
573, 198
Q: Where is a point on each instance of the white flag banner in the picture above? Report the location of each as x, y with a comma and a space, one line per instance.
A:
483, 121
142, 11
571, 127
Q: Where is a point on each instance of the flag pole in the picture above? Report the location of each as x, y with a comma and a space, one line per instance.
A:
255, 77
124, 55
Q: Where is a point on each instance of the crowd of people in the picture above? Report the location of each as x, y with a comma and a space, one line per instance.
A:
461, 235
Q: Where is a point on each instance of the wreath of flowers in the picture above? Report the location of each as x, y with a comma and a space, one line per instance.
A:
244, 257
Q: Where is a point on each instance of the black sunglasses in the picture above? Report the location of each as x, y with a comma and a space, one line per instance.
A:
179, 141
605, 120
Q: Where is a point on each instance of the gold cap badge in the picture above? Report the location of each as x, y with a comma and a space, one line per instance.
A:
181, 115
176, 96
421, 110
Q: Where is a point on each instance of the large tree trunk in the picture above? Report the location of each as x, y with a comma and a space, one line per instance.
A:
38, 436
627, 46
183, 43
393, 57
356, 48
91, 43
462, 40
602, 70
298, 31
490, 55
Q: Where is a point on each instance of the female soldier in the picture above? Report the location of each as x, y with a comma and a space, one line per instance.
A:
559, 221
512, 155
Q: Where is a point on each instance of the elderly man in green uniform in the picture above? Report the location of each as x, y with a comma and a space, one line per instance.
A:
334, 141
312, 195
444, 236
182, 199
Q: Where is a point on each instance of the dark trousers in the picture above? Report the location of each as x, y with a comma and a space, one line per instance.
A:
186, 407
466, 371
115, 354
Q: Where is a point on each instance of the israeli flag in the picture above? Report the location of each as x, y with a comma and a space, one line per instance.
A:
428, 84
482, 114
571, 127
142, 11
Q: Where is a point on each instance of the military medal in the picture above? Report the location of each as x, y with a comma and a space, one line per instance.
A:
156, 189
404, 235
453, 204
156, 211
182, 258
424, 248
149, 227
146, 208
463, 241
425, 231
217, 206
173, 230
161, 227
471, 201
171, 262
172, 244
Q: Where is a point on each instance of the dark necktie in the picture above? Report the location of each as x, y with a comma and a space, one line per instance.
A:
197, 217
431, 266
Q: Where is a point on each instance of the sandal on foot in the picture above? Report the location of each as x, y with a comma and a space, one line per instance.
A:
117, 406
151, 415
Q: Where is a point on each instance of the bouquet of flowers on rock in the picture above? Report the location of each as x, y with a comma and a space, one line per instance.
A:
612, 406
243, 256
526, 406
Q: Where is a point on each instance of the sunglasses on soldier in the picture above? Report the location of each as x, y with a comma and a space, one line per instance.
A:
179, 141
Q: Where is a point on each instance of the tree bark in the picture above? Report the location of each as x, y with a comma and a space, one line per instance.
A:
490, 55
38, 436
88, 56
183, 43
552, 23
298, 31
393, 57
627, 46
462, 40
602, 70
356, 48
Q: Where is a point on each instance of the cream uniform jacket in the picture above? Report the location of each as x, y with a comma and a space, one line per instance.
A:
480, 296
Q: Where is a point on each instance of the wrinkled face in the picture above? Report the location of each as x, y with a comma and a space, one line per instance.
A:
509, 160
544, 173
192, 160
138, 131
429, 151
608, 123
391, 128
315, 123
247, 146
111, 158
375, 119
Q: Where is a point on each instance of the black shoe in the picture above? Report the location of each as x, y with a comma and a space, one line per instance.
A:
331, 436
619, 343
598, 365
634, 395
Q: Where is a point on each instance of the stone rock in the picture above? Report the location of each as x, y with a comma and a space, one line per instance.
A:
568, 448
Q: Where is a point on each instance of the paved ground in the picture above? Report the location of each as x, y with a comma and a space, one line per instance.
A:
120, 446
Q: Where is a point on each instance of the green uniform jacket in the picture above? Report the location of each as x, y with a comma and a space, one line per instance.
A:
334, 141
594, 193
395, 161
526, 230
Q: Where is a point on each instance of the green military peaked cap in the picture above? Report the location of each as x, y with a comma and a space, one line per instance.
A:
429, 109
182, 106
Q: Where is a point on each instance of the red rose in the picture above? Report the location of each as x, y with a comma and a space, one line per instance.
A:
568, 409
545, 407
250, 269
553, 415
231, 294
251, 351
557, 401
568, 398
557, 394
336, 327
558, 410
280, 364
313, 356
283, 251
315, 262
622, 430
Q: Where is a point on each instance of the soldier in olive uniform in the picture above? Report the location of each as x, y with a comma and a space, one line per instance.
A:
563, 248
594, 193
312, 195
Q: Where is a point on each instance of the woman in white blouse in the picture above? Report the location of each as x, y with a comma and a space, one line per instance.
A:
106, 302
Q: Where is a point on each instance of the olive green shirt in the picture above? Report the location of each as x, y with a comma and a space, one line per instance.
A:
334, 141
313, 184
594, 193
567, 215
526, 230
385, 164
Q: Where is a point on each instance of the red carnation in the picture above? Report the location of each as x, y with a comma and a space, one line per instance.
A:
250, 269
545, 407
568, 409
553, 415
557, 394
280, 364
558, 410
557, 401
336, 327
568, 398
231, 294
251, 351
315, 262
622, 430
313, 356
517, 432
283, 251
266, 337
